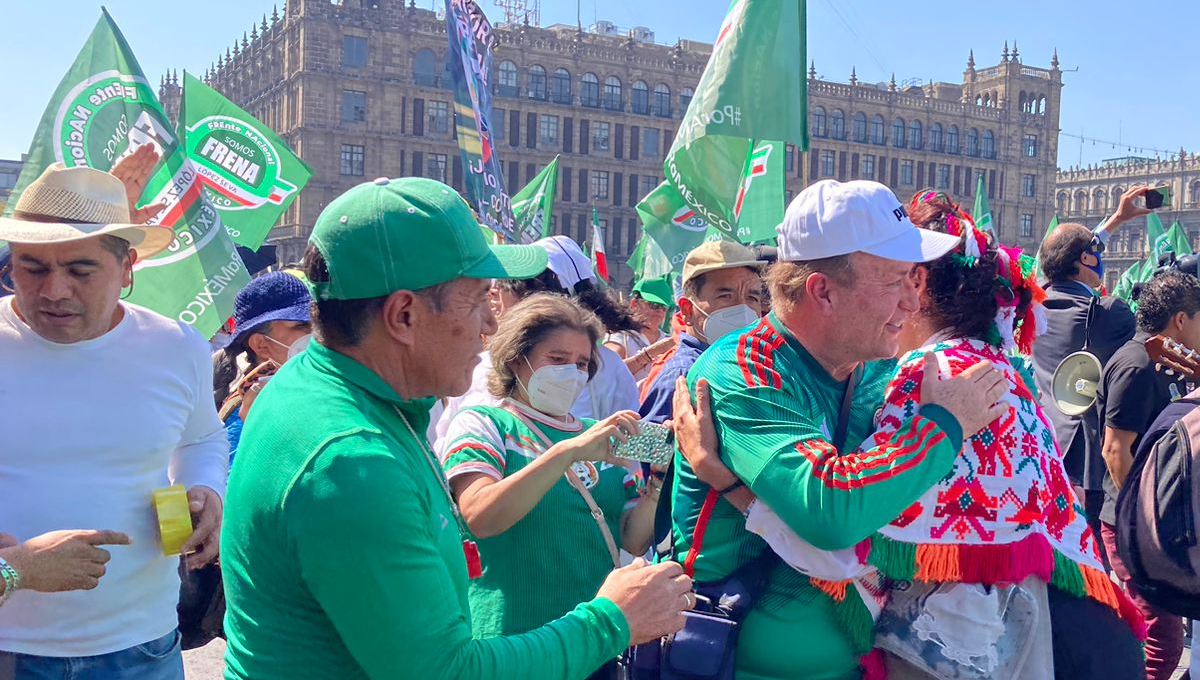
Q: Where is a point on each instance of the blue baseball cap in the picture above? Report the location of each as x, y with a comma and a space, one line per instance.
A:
277, 296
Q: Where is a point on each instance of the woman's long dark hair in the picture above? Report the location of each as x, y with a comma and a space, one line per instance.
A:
615, 317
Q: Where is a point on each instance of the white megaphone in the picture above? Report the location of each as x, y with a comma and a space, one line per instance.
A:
1075, 383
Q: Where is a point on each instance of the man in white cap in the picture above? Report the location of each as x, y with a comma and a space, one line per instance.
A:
104, 403
791, 398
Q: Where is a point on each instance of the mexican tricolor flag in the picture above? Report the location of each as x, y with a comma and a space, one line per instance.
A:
599, 258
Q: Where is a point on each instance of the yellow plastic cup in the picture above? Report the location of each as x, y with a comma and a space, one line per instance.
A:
174, 518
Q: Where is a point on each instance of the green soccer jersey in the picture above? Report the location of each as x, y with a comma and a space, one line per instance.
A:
553, 558
775, 410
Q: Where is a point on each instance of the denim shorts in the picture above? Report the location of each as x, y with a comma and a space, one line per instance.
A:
159, 659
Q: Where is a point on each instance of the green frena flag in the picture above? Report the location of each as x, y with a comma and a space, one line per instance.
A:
1156, 239
1049, 228
753, 89
673, 225
982, 214
533, 205
1125, 284
248, 172
1178, 240
102, 111
648, 261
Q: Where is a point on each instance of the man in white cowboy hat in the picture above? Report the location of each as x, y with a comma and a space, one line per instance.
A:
104, 402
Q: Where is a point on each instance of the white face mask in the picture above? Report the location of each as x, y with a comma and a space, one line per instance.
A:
299, 345
725, 321
554, 389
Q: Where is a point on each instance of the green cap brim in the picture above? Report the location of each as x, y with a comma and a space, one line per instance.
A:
657, 299
509, 262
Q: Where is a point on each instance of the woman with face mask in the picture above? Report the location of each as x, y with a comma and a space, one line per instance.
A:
539, 487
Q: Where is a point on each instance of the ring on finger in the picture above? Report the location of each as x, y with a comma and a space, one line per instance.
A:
689, 601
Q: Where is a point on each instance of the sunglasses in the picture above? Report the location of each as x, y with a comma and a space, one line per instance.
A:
1097, 246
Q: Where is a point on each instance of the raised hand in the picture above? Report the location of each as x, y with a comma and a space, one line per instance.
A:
972, 397
134, 171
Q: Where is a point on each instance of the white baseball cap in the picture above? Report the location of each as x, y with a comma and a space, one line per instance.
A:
567, 261
832, 218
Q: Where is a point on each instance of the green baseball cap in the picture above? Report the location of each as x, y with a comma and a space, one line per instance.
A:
657, 291
407, 234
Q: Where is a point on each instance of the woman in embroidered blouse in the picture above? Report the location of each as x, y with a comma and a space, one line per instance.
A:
1005, 512
541, 547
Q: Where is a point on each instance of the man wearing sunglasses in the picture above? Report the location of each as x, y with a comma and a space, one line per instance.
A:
1072, 259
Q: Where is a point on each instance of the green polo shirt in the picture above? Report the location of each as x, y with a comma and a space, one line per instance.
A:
775, 410
341, 555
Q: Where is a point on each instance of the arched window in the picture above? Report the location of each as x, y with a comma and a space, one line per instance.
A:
1194, 193
972, 142
560, 86
978, 100
641, 95
837, 124
989, 144
1061, 203
537, 82
877, 136
1098, 200
818, 121
589, 90
425, 68
685, 97
898, 133
1115, 196
506, 84
1024, 103
935, 137
612, 94
860, 127
1081, 202
952, 139
914, 135
662, 100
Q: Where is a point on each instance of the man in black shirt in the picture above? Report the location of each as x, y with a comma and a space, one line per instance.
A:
1133, 391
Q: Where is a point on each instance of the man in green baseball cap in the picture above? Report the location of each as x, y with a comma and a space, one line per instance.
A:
649, 305
347, 556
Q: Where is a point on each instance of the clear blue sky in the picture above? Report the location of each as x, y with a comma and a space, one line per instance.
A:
1140, 86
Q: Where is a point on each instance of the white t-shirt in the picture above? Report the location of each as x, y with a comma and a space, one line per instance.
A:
612, 389
90, 430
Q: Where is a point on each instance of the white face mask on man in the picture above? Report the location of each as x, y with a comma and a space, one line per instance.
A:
725, 321
553, 389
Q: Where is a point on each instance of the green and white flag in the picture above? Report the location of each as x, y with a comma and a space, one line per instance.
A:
648, 261
1156, 239
248, 172
753, 89
673, 225
1038, 256
1178, 240
1124, 288
103, 110
533, 205
982, 214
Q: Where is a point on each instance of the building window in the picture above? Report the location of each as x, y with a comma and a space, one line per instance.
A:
952, 139
589, 90
560, 86
641, 97
837, 124
352, 160
649, 183
818, 122
827, 163
898, 133
989, 144
650, 141
599, 184
943, 176
906, 173
548, 129
1063, 203
506, 83
435, 166
601, 133
1031, 149
877, 130
1194, 193
425, 68
789, 158
868, 166
499, 118
935, 137
354, 106
1026, 225
354, 51
537, 82
685, 97
662, 101
1098, 200
439, 116
973, 142
1028, 185
612, 94
860, 127
914, 135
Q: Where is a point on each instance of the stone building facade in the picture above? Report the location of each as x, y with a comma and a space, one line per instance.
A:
359, 89
1088, 195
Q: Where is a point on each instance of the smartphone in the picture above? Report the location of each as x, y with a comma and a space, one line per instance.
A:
651, 445
1158, 197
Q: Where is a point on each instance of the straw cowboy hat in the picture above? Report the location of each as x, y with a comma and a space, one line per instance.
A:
69, 204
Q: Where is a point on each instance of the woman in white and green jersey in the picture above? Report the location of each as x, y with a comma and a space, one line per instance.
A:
521, 470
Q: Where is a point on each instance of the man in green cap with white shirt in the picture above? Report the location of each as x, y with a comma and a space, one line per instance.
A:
345, 556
